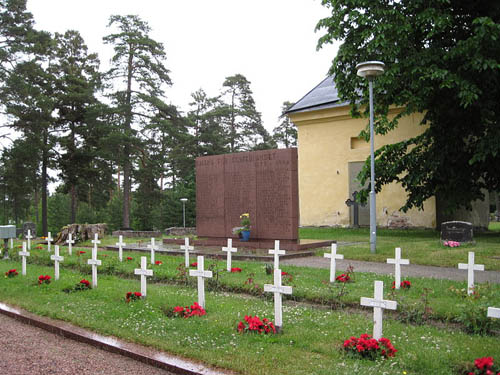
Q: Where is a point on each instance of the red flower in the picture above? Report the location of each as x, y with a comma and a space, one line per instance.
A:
235, 269
81, 252
194, 264
85, 282
366, 346
44, 279
254, 324
138, 294
283, 273
11, 273
129, 258
158, 262
484, 363
194, 310
132, 296
344, 278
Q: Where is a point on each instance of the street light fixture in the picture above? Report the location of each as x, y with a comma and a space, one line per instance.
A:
184, 200
370, 70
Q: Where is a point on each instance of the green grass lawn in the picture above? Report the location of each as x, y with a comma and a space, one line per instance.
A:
310, 344
310, 285
420, 246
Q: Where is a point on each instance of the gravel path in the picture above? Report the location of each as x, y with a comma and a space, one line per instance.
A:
386, 269
29, 350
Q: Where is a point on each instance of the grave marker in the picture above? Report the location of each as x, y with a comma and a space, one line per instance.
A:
94, 262
378, 303
277, 252
494, 312
120, 244
29, 237
11, 243
333, 264
153, 248
70, 241
186, 249
459, 231
397, 261
49, 240
144, 272
278, 290
56, 258
24, 254
229, 249
470, 267
201, 274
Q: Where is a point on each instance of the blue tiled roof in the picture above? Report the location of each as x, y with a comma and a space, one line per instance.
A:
324, 95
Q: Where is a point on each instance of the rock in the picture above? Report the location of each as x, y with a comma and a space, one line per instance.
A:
81, 232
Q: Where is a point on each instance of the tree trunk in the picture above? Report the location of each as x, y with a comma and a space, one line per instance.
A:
126, 148
45, 162
73, 204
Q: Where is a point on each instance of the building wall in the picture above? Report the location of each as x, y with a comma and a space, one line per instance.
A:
327, 142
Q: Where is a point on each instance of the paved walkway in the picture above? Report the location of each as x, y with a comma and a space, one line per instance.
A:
26, 349
386, 269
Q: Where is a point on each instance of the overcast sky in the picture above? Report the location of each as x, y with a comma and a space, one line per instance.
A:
271, 42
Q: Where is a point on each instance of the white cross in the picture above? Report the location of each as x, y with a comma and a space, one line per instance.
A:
494, 312
120, 245
229, 249
94, 262
397, 261
49, 240
70, 241
333, 264
186, 249
56, 258
144, 272
277, 252
153, 248
201, 274
96, 241
24, 254
11, 243
378, 303
470, 267
29, 237
278, 290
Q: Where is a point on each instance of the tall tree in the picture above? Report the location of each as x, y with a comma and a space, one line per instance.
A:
443, 60
77, 82
286, 132
138, 68
242, 121
206, 118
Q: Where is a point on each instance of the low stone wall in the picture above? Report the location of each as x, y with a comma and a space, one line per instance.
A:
137, 233
180, 231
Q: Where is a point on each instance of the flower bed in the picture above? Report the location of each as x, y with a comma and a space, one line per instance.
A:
132, 296
44, 279
482, 366
367, 347
188, 311
255, 325
11, 273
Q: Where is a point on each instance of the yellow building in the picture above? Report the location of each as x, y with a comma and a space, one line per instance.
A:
331, 156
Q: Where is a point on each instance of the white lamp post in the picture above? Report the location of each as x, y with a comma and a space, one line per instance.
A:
184, 200
370, 70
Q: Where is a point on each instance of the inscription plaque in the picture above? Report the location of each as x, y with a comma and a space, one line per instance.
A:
262, 183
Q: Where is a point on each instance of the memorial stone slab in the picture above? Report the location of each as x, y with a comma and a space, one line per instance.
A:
459, 231
261, 183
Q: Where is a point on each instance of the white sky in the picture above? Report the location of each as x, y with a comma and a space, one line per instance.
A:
271, 42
